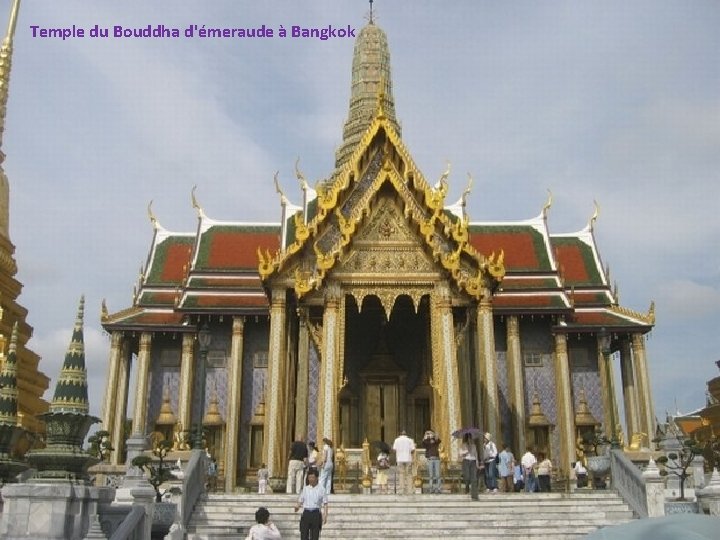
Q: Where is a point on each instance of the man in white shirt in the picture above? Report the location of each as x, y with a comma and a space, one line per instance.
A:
314, 502
404, 448
528, 462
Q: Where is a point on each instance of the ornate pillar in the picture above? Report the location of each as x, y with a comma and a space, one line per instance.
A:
117, 435
645, 404
446, 361
141, 387
113, 373
487, 366
303, 372
233, 404
186, 377
604, 369
327, 394
273, 448
565, 417
516, 383
629, 389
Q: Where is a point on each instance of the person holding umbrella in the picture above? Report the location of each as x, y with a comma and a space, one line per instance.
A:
469, 455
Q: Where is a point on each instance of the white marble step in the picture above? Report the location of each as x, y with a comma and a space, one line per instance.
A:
541, 515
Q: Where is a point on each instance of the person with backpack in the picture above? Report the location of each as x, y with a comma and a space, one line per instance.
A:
383, 464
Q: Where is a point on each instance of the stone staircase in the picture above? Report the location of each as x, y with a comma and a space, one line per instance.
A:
551, 516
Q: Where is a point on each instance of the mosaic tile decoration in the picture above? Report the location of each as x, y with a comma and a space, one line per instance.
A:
313, 387
584, 375
504, 397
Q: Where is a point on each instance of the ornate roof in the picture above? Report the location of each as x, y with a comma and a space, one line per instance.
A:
226, 267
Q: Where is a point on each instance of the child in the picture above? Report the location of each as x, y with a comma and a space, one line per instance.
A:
383, 464
262, 475
518, 479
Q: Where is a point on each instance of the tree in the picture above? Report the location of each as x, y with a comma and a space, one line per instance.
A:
678, 463
100, 446
158, 472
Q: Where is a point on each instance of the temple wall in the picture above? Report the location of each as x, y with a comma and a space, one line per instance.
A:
584, 374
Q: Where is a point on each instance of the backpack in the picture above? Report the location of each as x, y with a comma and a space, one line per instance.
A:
383, 461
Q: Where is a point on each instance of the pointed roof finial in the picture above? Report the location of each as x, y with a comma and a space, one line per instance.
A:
151, 215
548, 204
196, 206
593, 218
71, 392
371, 21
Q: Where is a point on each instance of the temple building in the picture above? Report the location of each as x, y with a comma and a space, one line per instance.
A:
371, 307
31, 382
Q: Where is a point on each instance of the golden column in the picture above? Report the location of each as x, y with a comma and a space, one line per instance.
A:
141, 388
273, 448
303, 373
565, 416
630, 394
113, 374
117, 435
645, 404
516, 383
487, 366
449, 386
233, 403
327, 392
186, 377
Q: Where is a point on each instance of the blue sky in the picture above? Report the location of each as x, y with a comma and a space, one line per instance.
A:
612, 101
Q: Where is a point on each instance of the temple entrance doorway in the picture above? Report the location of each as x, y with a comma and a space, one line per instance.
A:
386, 371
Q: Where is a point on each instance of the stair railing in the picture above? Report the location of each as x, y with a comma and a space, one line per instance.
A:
133, 526
193, 484
629, 482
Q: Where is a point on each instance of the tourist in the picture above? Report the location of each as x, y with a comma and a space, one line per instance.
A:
383, 464
314, 502
404, 448
263, 475
469, 455
431, 443
296, 466
212, 475
327, 465
544, 470
313, 454
264, 529
581, 474
490, 454
519, 483
528, 462
506, 467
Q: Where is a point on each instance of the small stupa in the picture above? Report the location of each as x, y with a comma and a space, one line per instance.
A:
9, 428
64, 459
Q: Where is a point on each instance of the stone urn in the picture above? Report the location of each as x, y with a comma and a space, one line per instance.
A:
598, 467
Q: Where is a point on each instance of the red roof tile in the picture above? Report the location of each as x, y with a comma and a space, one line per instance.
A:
226, 247
524, 246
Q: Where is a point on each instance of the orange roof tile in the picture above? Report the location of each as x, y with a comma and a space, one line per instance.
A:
226, 247
524, 246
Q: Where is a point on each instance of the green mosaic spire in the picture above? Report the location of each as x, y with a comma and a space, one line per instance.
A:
8, 381
71, 394
371, 81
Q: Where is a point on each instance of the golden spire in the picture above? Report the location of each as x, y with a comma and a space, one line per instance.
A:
583, 416
5, 64
166, 416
